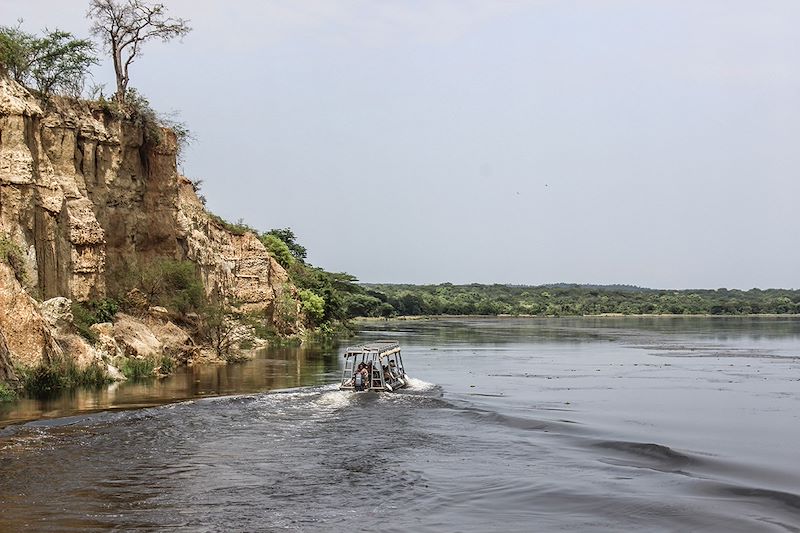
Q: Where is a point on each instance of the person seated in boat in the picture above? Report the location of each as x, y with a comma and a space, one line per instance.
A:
360, 377
387, 376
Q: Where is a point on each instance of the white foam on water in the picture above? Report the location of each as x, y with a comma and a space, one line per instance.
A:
418, 384
335, 399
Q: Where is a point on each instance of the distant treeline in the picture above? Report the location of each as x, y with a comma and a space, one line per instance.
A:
375, 300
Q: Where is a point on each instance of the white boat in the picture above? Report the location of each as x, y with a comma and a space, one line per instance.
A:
374, 366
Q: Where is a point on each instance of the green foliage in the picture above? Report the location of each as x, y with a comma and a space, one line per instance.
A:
166, 365
285, 308
218, 328
313, 306
14, 256
144, 116
7, 394
182, 288
568, 300
55, 62
286, 235
278, 249
85, 314
61, 374
138, 369
169, 283
240, 228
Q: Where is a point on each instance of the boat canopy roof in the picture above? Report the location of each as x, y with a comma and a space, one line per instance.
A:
378, 347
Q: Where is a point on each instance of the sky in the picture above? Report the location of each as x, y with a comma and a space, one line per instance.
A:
652, 143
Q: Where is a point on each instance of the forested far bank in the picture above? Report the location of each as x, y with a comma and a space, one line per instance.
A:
565, 300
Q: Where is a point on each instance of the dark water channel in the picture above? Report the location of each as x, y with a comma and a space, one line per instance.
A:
669, 424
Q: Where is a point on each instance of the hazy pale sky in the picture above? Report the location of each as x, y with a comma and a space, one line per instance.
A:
596, 141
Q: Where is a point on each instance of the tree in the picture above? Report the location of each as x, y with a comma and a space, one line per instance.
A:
57, 61
313, 306
124, 27
219, 329
288, 237
278, 249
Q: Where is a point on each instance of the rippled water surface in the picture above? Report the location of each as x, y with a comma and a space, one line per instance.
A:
668, 424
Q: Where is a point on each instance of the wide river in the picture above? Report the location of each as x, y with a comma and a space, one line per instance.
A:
606, 424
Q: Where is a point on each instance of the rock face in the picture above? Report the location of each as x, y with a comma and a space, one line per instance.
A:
7, 374
86, 197
29, 337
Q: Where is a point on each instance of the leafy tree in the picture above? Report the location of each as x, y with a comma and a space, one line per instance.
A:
125, 25
278, 249
313, 306
287, 236
55, 62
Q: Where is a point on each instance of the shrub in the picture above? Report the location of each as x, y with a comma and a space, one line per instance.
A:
85, 314
7, 394
144, 116
62, 374
166, 365
170, 283
138, 369
240, 228
286, 235
277, 249
313, 306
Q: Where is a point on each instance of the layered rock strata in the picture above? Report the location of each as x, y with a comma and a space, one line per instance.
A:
86, 197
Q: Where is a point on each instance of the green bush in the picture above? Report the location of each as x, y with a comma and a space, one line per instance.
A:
57, 61
240, 228
7, 394
138, 369
286, 235
313, 306
169, 283
278, 249
85, 314
62, 374
166, 365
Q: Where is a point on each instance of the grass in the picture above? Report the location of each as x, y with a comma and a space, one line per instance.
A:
240, 228
60, 375
138, 369
166, 365
7, 394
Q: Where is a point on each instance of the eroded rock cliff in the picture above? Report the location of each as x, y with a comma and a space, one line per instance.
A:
85, 196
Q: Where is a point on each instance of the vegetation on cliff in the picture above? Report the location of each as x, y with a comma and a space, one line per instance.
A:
56, 62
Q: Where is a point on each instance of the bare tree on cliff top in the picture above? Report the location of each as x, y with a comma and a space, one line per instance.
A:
124, 26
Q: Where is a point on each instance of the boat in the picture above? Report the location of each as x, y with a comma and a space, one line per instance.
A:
383, 366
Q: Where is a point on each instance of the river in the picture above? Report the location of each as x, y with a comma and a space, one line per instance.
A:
572, 424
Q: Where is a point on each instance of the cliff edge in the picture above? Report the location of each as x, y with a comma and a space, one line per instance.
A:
87, 196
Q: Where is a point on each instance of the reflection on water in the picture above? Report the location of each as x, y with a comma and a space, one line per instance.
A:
271, 368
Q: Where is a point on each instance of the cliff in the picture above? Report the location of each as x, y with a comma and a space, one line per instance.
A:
84, 198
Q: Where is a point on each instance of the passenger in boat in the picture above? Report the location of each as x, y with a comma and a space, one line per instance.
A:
360, 377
